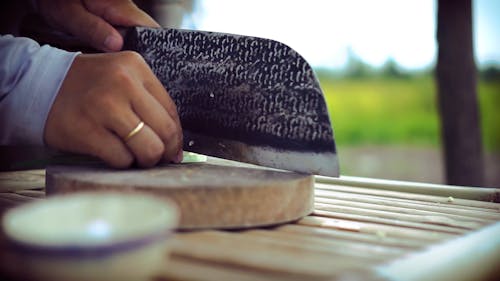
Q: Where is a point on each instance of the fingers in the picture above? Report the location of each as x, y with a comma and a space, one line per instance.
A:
170, 128
120, 13
92, 21
146, 146
120, 120
161, 136
157, 109
143, 98
92, 29
109, 148
157, 90
92, 139
117, 13
162, 123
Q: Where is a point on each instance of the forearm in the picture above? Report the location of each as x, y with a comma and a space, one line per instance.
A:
30, 78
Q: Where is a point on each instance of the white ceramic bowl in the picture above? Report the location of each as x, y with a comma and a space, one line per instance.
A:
92, 236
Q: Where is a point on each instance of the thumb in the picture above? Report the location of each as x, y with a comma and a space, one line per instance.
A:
93, 30
121, 13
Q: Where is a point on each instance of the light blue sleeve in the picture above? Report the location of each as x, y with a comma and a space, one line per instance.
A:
30, 77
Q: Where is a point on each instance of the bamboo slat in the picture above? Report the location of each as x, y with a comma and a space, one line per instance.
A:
251, 252
372, 253
21, 180
354, 237
448, 199
389, 222
376, 229
472, 193
31, 193
478, 221
444, 223
488, 214
182, 268
475, 256
17, 197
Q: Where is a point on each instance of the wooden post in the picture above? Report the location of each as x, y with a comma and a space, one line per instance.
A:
457, 96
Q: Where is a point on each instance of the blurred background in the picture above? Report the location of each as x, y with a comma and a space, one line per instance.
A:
375, 61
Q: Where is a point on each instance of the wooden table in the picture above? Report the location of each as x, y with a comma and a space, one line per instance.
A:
361, 229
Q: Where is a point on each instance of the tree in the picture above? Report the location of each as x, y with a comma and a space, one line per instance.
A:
391, 69
457, 96
356, 67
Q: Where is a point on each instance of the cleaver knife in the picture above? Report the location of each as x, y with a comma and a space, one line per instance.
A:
240, 98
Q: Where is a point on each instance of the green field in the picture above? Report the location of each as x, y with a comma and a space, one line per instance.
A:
383, 110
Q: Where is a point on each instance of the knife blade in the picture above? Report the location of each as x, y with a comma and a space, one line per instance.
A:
242, 98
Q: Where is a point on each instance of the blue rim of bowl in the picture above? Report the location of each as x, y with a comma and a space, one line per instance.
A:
88, 251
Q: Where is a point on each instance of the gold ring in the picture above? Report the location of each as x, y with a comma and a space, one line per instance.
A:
134, 131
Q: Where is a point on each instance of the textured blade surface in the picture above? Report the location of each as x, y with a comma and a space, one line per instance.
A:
242, 98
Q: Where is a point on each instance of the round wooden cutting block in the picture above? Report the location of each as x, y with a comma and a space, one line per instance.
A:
208, 195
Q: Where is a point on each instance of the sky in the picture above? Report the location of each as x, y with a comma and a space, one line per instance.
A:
326, 31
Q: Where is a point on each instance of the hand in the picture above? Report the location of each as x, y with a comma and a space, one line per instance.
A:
92, 21
102, 99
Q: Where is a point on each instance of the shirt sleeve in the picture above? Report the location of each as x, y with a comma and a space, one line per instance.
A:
30, 78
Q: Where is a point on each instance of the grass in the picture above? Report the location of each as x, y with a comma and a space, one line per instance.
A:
489, 100
383, 110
